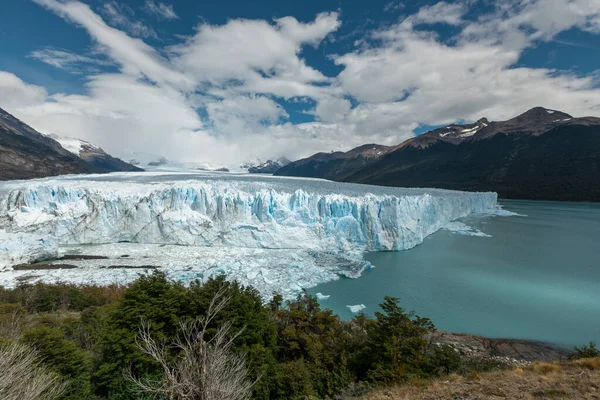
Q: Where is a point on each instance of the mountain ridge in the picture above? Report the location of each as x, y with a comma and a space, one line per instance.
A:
541, 154
26, 154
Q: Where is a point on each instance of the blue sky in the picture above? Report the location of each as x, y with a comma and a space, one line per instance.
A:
226, 81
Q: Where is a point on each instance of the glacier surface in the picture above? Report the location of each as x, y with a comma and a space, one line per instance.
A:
278, 234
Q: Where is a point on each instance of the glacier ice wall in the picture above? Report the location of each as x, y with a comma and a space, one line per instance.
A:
261, 232
24, 248
225, 214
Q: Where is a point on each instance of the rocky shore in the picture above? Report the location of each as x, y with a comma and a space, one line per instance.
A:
508, 351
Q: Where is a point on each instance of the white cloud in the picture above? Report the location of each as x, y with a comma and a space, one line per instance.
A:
63, 59
333, 109
415, 77
135, 57
16, 93
161, 10
255, 52
442, 12
117, 15
236, 75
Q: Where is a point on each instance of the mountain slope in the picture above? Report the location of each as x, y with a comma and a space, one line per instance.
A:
541, 154
336, 165
269, 166
26, 154
94, 155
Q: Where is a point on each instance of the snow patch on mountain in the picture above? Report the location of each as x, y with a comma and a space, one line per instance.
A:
73, 145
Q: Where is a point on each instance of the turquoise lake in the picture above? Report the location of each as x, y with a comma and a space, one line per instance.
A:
537, 277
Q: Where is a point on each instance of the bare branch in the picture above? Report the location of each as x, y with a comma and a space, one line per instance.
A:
204, 369
22, 377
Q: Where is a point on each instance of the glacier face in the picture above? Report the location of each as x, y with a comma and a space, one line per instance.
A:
229, 213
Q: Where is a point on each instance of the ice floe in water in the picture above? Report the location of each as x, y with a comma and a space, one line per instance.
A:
464, 229
356, 308
278, 234
322, 296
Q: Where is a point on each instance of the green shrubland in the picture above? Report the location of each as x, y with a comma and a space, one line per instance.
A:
89, 337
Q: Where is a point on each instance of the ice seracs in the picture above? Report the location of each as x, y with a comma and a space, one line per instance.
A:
23, 248
314, 233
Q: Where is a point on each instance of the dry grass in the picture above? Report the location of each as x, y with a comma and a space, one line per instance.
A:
573, 380
544, 368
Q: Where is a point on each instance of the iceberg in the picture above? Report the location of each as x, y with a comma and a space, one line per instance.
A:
312, 226
322, 296
356, 308
461, 228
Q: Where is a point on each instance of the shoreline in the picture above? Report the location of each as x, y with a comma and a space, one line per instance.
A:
510, 351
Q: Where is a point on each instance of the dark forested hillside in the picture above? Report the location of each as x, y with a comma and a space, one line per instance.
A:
541, 154
105, 343
563, 164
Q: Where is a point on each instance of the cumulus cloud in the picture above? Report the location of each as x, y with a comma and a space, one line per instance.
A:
218, 95
16, 93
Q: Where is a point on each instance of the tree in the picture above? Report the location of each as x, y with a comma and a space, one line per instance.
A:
63, 357
22, 377
314, 348
586, 351
206, 368
163, 303
153, 298
395, 346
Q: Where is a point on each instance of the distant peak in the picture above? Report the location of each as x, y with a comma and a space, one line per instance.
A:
542, 112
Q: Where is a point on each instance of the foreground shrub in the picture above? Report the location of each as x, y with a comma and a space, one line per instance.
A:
395, 348
24, 378
64, 358
205, 367
586, 351
162, 304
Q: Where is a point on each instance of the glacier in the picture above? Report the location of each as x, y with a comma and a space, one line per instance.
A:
278, 234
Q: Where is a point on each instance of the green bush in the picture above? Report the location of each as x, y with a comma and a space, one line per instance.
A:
395, 348
586, 351
63, 357
295, 349
443, 360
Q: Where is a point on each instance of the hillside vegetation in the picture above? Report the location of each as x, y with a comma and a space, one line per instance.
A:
572, 380
217, 340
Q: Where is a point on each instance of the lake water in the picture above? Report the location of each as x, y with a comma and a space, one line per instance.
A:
537, 277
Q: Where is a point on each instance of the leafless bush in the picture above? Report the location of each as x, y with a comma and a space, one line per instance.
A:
205, 368
11, 324
23, 378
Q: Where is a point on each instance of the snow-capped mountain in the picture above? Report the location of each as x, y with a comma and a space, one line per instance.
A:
93, 154
26, 153
541, 154
269, 166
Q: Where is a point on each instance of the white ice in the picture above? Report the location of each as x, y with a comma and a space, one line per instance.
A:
356, 308
464, 229
314, 230
322, 296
